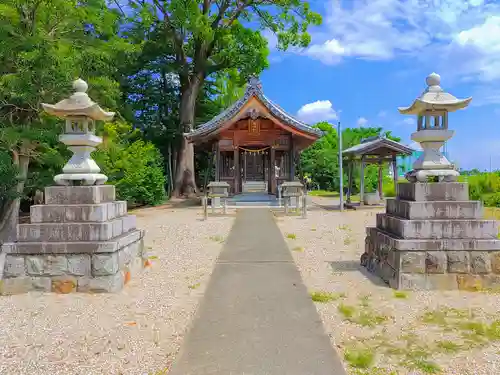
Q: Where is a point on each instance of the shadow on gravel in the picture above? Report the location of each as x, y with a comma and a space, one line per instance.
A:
340, 266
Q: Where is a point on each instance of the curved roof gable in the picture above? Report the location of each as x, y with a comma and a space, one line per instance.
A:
254, 89
371, 145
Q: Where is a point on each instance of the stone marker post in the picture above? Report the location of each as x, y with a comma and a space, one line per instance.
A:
432, 236
292, 190
81, 239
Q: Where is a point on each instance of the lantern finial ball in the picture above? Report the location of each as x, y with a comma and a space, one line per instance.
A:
433, 79
80, 85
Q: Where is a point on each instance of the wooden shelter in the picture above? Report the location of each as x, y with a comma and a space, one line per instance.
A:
255, 142
373, 150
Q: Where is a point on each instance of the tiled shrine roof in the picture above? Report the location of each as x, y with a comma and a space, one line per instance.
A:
254, 89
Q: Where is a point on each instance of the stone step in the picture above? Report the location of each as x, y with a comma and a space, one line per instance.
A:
73, 232
79, 194
435, 210
428, 191
51, 213
85, 247
254, 187
441, 228
382, 238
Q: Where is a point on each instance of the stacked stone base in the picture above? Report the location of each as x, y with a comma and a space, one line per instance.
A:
81, 240
433, 237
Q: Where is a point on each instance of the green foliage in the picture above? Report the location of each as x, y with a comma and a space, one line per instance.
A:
491, 200
320, 161
484, 186
483, 183
132, 165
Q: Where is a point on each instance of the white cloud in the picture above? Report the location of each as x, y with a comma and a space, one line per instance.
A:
480, 45
362, 121
409, 121
416, 146
459, 34
321, 110
272, 39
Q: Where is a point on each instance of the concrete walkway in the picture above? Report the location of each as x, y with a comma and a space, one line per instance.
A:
256, 317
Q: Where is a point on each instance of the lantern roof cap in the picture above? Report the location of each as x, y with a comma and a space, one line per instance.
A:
434, 98
78, 104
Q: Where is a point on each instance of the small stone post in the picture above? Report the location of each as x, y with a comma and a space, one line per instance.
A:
204, 203
304, 206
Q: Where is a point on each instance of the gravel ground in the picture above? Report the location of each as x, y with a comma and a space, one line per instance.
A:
137, 331
327, 248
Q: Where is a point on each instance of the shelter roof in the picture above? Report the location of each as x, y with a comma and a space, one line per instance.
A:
253, 90
373, 146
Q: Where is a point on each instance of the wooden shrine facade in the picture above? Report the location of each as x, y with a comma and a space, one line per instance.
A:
254, 142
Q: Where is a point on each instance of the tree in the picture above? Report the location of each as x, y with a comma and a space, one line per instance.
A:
229, 88
210, 36
44, 45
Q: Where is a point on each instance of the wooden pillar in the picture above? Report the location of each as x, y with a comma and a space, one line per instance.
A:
217, 161
236, 159
245, 166
349, 181
380, 180
292, 159
272, 170
362, 182
395, 174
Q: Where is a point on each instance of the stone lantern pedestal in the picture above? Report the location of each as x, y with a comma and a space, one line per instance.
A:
432, 237
81, 239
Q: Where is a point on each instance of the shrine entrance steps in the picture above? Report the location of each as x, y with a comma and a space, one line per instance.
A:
254, 187
256, 316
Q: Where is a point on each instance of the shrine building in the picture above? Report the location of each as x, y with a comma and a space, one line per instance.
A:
256, 143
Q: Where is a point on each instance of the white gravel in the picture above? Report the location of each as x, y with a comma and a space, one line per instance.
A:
137, 331
333, 243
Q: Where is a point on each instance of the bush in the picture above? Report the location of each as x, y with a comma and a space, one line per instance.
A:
389, 190
135, 168
481, 184
491, 200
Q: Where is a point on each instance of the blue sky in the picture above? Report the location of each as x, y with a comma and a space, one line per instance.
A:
372, 56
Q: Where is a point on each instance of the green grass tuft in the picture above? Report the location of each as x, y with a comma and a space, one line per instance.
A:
325, 297
291, 236
217, 238
448, 346
346, 310
360, 358
400, 294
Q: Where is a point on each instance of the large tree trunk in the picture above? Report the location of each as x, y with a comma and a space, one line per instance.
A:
185, 183
10, 216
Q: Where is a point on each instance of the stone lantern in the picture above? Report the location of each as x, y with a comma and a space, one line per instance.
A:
431, 109
80, 113
81, 239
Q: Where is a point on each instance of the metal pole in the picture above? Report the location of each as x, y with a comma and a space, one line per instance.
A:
341, 173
